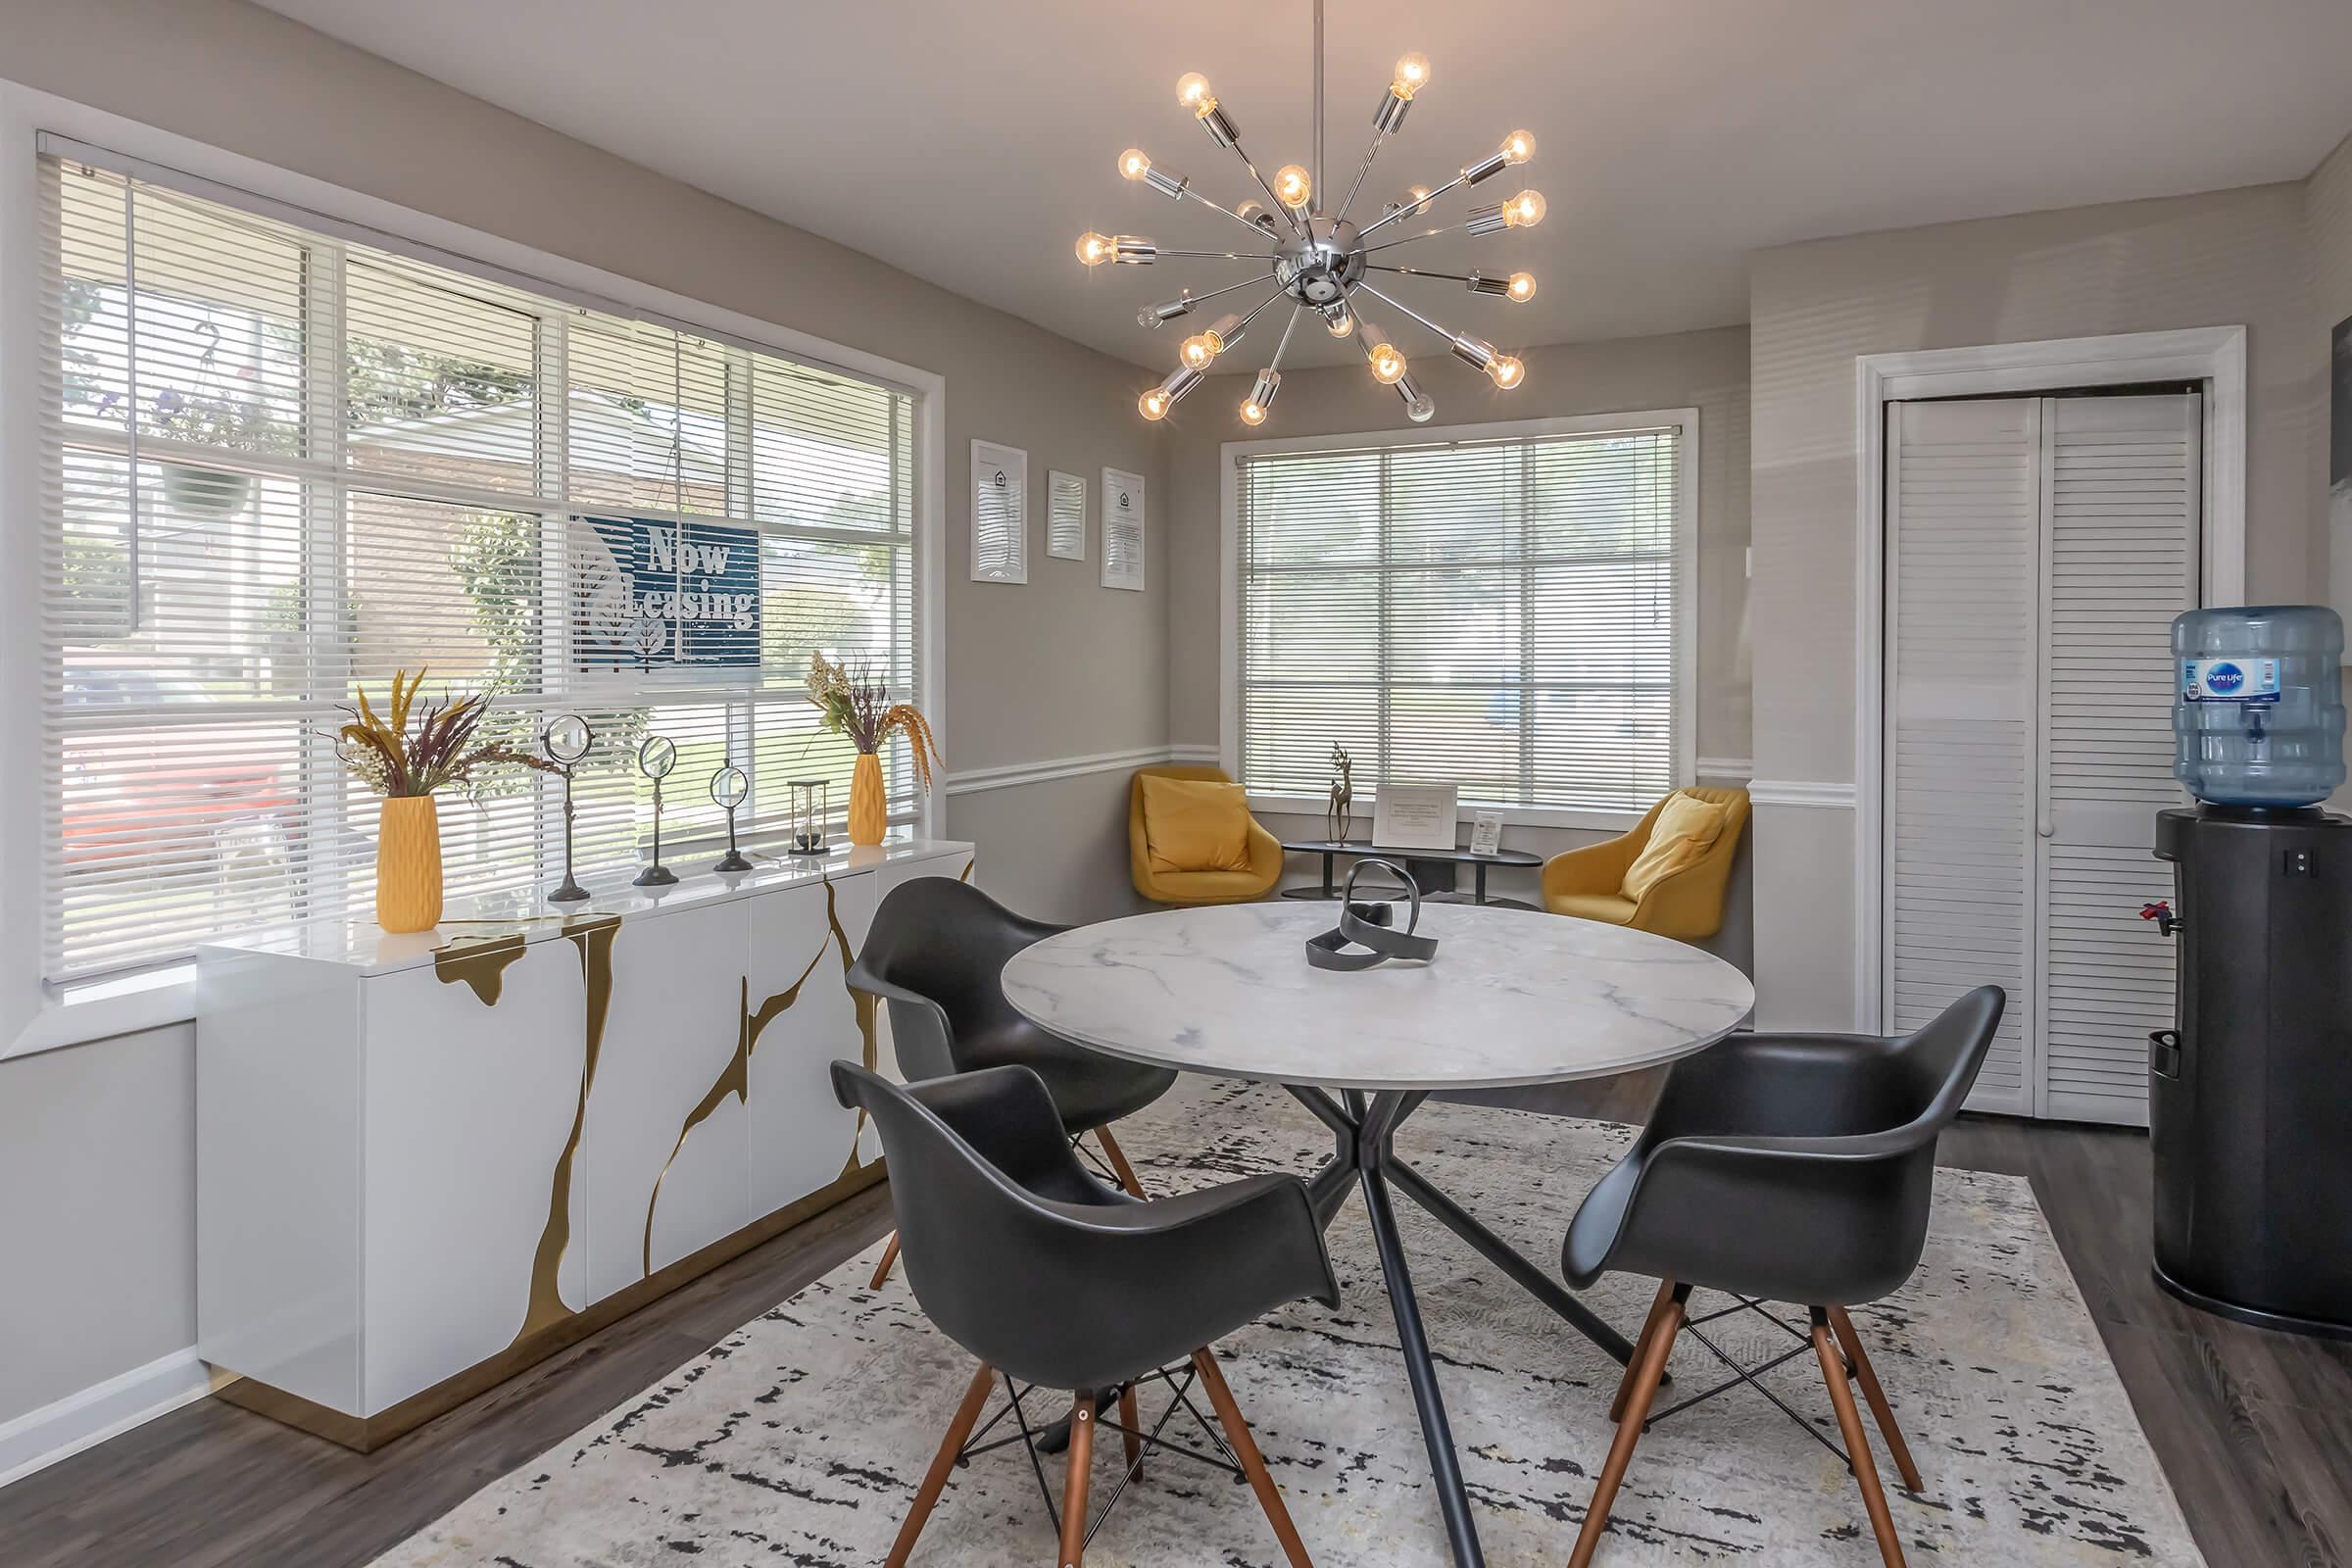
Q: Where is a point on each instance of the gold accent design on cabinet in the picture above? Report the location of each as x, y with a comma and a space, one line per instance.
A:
478, 961
866, 1002
593, 935
735, 1078
966, 875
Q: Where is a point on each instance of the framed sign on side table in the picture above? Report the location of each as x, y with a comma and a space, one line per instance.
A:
1123, 527
1415, 816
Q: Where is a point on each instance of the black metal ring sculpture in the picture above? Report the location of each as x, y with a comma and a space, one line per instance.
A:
1368, 926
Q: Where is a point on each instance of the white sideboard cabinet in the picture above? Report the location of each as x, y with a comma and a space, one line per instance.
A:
424, 1162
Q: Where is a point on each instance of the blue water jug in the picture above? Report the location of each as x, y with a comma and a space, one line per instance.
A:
2259, 716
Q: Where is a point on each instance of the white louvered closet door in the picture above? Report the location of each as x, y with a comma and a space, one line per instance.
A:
2121, 493
1961, 564
2038, 551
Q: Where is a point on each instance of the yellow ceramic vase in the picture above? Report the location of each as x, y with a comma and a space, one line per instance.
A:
869, 812
408, 863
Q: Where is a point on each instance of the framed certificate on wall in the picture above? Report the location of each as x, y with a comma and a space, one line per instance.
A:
1415, 816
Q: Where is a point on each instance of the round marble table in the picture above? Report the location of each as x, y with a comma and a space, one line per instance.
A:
1512, 997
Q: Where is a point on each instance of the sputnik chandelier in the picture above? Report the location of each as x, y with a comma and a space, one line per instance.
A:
1320, 263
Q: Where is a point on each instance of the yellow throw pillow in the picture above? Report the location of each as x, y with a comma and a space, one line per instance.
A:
1680, 837
1196, 824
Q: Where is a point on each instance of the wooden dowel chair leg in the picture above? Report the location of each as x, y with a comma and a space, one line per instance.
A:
1130, 1430
1073, 1488
1657, 1342
1118, 1161
1253, 1463
1857, 1446
1879, 1406
890, 1255
1633, 1364
935, 1480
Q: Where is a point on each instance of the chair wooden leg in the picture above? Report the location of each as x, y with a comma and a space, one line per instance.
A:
1073, 1488
1633, 1364
890, 1255
1253, 1463
1857, 1446
1130, 1432
1658, 1344
935, 1480
1879, 1406
1118, 1161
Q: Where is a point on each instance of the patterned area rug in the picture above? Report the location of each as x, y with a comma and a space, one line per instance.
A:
800, 1439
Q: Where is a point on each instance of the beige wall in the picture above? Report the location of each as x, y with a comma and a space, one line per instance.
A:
2328, 216
2229, 258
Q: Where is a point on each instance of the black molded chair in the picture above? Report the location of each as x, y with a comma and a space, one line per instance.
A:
1059, 1281
935, 956
1788, 1169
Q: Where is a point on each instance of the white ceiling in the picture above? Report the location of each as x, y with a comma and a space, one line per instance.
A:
970, 142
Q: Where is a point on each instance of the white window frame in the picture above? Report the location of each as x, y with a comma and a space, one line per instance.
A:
1685, 594
34, 1016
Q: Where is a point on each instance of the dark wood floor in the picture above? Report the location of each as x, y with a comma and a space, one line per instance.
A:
2255, 1428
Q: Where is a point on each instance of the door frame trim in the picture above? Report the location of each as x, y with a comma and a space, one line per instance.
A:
2215, 356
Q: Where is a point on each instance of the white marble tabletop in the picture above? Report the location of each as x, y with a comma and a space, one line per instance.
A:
1513, 996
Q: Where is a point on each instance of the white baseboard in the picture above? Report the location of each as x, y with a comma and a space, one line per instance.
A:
40, 1438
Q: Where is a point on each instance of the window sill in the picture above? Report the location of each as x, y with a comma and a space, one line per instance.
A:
1589, 818
98, 1010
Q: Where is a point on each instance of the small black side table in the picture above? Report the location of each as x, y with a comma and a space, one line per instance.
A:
1332, 848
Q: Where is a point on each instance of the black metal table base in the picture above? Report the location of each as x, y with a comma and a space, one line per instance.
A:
1365, 1129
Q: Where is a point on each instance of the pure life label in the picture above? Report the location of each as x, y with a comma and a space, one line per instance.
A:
2230, 680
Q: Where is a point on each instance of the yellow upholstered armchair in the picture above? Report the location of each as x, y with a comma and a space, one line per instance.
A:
1681, 898
1259, 867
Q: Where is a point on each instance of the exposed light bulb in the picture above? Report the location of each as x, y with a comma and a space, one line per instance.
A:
1517, 148
1253, 411
1525, 210
1522, 287
1095, 249
1251, 212
1152, 405
1387, 366
1420, 408
1199, 349
1338, 319
1420, 196
1135, 163
1412, 74
1507, 372
1192, 91
1291, 187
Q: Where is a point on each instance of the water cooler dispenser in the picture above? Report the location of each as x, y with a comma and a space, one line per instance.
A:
2250, 1095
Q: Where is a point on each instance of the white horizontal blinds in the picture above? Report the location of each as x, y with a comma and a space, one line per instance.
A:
1962, 597
2122, 491
282, 465
1500, 614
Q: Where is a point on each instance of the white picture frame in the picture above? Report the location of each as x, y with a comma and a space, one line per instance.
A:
1125, 525
999, 501
1065, 516
1415, 816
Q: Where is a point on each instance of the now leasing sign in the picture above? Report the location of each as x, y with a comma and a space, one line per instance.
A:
650, 593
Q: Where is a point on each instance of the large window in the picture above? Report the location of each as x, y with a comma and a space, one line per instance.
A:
282, 465
1507, 611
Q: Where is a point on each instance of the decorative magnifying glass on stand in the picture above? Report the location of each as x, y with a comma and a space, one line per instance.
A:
730, 787
655, 759
565, 743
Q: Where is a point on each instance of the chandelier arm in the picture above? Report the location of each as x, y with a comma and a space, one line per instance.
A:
1217, 205
1416, 271
1391, 300
1225, 256
1280, 205
1421, 206
1255, 309
1361, 169
1367, 250
1317, 194
1197, 299
1288, 327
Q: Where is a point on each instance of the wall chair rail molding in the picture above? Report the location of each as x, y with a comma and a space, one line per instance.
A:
1726, 769
2213, 357
1012, 775
1810, 793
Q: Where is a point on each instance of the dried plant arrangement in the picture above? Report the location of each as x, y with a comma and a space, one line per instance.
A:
857, 704
439, 752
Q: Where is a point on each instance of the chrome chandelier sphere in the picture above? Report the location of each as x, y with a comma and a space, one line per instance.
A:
1318, 263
